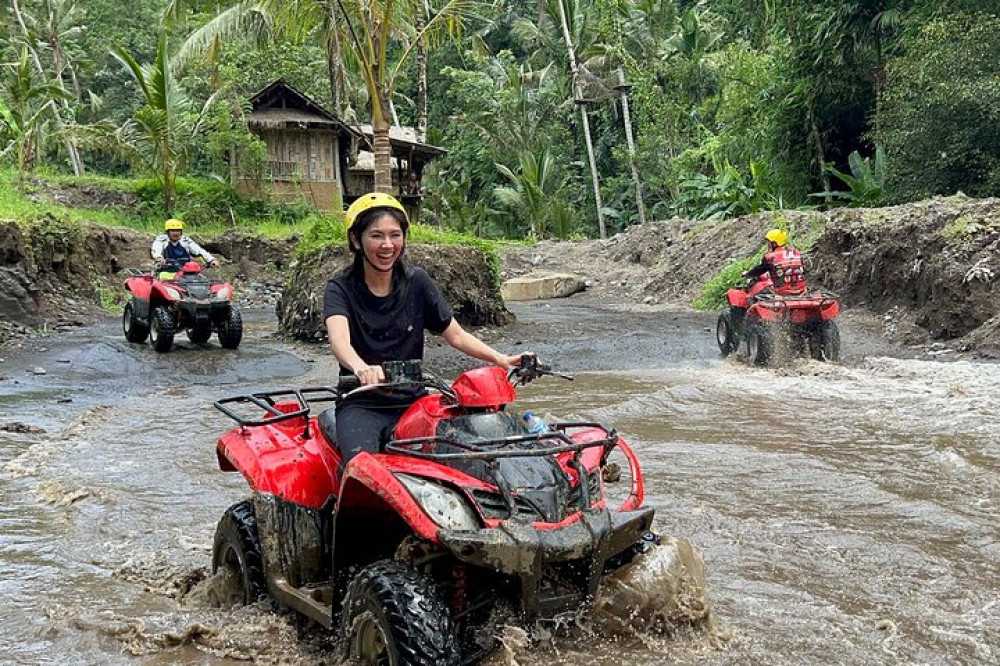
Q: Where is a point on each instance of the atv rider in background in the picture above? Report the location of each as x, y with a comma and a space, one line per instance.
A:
172, 249
377, 310
783, 264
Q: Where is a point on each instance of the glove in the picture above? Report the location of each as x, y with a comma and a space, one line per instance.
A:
158, 262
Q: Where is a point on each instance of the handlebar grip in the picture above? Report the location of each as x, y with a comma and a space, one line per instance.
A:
348, 382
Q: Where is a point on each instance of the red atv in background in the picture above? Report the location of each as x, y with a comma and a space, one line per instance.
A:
757, 315
161, 306
415, 554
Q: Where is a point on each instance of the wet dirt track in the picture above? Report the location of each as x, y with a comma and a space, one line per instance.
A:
846, 514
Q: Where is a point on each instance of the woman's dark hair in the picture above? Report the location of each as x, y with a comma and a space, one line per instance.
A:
364, 221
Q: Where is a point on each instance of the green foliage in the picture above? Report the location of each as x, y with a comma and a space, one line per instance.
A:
207, 205
867, 180
727, 192
713, 294
942, 109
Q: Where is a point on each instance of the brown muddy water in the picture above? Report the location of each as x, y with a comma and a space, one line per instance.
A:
846, 514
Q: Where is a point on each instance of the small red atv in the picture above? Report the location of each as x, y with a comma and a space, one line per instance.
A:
415, 553
757, 315
160, 307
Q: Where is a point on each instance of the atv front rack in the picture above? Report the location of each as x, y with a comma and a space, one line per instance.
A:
490, 449
491, 452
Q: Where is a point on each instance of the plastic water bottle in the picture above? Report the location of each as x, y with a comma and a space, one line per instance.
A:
536, 424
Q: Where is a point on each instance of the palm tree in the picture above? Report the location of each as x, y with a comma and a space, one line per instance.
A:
531, 190
25, 109
167, 123
62, 21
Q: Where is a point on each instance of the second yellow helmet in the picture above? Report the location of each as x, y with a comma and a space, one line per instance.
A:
173, 224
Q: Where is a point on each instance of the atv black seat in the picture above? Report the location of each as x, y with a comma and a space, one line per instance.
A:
327, 422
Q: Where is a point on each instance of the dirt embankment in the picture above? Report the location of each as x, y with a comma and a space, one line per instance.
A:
61, 277
928, 269
58, 277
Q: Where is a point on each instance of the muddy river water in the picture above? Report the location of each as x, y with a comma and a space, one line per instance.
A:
846, 514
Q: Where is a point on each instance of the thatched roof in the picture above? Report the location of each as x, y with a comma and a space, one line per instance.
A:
279, 105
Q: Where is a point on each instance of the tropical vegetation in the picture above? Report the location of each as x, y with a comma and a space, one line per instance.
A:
561, 118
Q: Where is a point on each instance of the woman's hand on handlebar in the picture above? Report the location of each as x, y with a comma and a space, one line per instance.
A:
370, 374
515, 361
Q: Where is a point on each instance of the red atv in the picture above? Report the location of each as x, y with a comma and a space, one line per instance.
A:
757, 315
414, 554
161, 307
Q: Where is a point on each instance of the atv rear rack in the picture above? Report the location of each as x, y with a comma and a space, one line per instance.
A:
299, 406
818, 298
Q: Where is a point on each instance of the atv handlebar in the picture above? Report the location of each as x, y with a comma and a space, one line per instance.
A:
530, 369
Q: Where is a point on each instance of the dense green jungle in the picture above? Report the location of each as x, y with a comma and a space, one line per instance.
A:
568, 119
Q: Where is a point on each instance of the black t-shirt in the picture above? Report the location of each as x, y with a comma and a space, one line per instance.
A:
388, 328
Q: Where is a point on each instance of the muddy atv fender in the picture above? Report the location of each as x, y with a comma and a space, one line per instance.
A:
395, 615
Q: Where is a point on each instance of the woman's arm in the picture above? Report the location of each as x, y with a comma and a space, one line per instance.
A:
339, 334
467, 343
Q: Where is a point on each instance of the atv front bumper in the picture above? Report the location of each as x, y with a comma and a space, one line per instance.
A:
560, 568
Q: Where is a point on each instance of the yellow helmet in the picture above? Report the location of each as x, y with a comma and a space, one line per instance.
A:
777, 236
369, 201
173, 224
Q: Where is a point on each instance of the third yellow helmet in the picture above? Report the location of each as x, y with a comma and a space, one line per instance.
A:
777, 236
173, 224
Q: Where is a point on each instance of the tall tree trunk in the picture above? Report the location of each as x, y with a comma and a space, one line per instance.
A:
817, 139
421, 56
626, 118
74, 154
583, 118
334, 61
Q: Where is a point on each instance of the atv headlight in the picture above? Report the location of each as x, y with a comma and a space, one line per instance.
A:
172, 293
444, 506
222, 294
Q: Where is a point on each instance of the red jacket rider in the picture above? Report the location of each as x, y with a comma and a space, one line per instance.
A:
783, 263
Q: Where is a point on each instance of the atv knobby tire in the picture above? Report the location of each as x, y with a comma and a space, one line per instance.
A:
825, 342
394, 615
760, 344
236, 561
134, 329
161, 330
725, 333
231, 329
199, 334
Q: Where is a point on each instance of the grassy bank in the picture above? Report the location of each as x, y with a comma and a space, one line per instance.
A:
208, 207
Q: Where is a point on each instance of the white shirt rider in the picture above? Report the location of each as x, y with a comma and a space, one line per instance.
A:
175, 236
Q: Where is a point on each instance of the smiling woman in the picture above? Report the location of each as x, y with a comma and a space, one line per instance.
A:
377, 311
